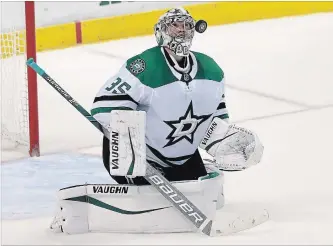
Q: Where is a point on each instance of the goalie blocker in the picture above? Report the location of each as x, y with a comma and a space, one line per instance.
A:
127, 143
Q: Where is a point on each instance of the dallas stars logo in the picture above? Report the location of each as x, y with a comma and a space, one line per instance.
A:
185, 126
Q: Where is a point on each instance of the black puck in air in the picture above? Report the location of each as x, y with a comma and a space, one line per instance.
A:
201, 26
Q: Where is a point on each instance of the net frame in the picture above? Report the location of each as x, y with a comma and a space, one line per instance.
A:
32, 79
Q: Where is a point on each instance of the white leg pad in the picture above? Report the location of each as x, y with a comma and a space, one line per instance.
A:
132, 209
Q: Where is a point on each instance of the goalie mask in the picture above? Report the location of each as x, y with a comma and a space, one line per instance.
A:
175, 30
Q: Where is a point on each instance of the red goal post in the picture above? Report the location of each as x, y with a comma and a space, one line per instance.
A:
32, 79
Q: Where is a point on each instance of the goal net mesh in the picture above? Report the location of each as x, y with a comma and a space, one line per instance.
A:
14, 83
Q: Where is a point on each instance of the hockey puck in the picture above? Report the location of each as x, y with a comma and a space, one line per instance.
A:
201, 26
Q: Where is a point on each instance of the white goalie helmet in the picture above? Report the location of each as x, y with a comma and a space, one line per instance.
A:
175, 30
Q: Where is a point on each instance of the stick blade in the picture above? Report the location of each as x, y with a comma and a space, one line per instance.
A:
242, 223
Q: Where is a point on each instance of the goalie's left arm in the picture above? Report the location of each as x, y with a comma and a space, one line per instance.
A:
234, 148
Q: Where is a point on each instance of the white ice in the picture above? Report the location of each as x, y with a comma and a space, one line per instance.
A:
279, 84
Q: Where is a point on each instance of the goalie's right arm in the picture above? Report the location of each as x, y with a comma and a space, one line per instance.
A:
234, 148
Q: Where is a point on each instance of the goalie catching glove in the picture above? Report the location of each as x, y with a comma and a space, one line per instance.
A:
234, 148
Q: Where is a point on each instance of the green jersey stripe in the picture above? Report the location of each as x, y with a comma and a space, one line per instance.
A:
223, 116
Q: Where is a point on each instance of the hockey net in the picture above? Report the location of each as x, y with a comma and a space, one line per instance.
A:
19, 115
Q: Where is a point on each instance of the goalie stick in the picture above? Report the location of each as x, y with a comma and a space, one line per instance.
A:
157, 180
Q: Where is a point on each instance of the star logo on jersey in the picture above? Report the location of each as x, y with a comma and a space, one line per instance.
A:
185, 126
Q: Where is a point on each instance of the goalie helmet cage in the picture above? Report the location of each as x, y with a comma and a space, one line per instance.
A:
19, 97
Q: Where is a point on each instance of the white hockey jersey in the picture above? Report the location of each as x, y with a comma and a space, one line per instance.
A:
179, 106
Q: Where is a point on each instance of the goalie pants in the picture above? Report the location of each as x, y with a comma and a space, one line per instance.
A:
192, 169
